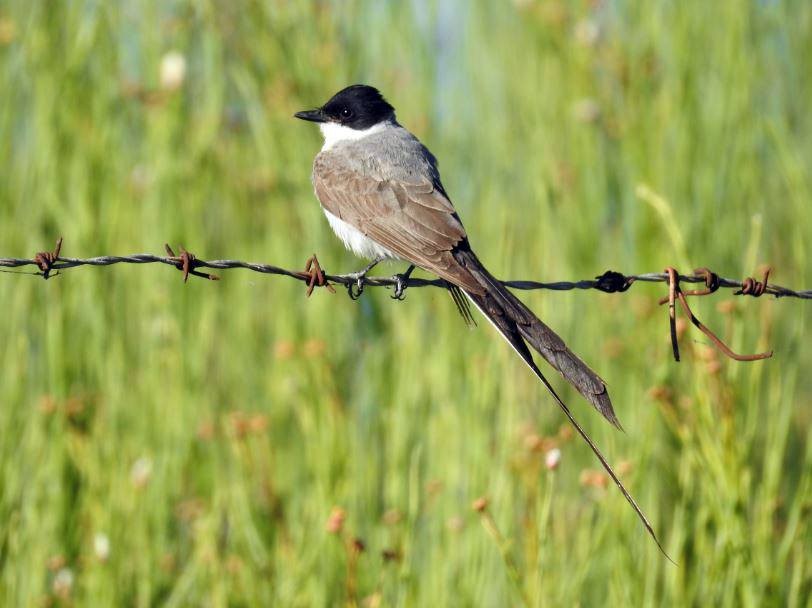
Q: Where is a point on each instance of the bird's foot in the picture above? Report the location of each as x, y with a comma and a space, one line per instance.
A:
356, 288
359, 279
401, 283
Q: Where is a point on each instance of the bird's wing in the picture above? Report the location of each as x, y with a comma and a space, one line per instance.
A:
413, 219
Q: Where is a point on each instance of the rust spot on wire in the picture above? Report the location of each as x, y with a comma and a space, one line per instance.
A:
712, 283
45, 259
314, 276
751, 287
711, 279
187, 262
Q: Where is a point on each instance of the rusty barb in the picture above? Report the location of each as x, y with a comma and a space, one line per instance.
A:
712, 283
45, 259
314, 276
187, 262
751, 287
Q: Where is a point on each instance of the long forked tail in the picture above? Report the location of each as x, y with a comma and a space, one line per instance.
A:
517, 323
499, 301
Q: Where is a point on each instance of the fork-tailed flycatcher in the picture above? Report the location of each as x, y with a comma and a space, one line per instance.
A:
381, 192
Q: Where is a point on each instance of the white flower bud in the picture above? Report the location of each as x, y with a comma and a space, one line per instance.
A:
173, 71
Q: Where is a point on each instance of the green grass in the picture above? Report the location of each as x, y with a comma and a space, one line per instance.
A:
208, 430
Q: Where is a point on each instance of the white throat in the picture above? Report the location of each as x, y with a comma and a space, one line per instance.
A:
334, 133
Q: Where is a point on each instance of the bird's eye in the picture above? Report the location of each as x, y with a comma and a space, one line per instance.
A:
346, 113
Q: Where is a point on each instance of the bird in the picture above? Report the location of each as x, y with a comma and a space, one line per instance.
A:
381, 192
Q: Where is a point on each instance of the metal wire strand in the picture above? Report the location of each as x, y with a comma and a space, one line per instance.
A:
313, 275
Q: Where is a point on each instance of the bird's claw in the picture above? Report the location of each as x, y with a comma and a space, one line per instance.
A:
400, 287
401, 283
356, 288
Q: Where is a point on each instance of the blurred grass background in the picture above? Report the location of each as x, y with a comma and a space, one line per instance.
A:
190, 445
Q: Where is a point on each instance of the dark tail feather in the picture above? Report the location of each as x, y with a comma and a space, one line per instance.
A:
511, 331
543, 339
461, 302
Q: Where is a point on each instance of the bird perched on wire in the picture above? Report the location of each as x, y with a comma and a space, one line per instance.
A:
380, 189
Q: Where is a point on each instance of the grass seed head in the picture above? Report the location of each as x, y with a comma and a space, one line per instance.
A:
480, 505
335, 522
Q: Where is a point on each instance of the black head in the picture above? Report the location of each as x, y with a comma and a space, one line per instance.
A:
358, 107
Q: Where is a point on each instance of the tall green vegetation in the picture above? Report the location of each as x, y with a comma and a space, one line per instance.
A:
233, 444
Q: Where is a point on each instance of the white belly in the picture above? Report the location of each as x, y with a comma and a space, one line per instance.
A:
356, 241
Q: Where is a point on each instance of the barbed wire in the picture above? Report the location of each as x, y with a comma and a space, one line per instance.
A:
50, 262
609, 282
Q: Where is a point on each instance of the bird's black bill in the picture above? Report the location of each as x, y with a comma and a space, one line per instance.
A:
312, 115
